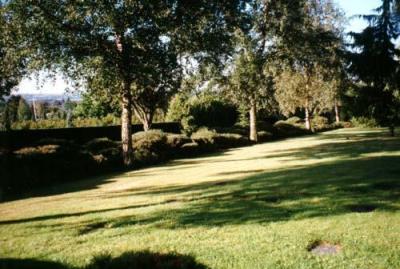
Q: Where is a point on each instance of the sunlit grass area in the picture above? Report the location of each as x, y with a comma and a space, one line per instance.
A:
255, 207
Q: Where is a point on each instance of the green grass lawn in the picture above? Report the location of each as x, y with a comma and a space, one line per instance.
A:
253, 207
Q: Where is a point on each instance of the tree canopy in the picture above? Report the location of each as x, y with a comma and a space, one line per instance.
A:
125, 41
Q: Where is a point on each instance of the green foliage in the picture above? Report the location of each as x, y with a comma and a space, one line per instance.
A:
99, 144
283, 129
207, 110
178, 108
109, 120
209, 140
211, 111
41, 124
97, 106
364, 122
312, 90
176, 141
24, 110
204, 136
320, 123
311, 74
374, 65
40, 165
12, 64
126, 49
150, 146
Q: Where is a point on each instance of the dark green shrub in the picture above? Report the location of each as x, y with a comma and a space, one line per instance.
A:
320, 123
32, 167
205, 138
98, 144
213, 113
150, 147
265, 126
224, 141
236, 129
264, 136
190, 149
175, 141
210, 139
204, 110
364, 122
283, 129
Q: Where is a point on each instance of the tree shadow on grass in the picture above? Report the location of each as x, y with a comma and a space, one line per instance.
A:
364, 177
356, 176
145, 260
29, 264
128, 260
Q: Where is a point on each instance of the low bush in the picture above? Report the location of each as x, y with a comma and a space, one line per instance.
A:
99, 144
190, 149
32, 167
150, 146
204, 136
227, 140
364, 122
105, 152
176, 141
320, 124
283, 129
210, 139
265, 126
264, 136
236, 129
294, 120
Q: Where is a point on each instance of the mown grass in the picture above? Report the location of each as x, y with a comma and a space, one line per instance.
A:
255, 207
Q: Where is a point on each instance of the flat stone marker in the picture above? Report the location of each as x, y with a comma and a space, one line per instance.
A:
326, 249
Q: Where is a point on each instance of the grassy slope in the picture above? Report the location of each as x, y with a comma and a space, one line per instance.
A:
254, 207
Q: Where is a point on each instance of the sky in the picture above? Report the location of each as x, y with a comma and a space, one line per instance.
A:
57, 85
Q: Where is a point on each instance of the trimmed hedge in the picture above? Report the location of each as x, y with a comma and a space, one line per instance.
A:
22, 138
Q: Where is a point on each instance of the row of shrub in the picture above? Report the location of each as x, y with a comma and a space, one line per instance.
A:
50, 161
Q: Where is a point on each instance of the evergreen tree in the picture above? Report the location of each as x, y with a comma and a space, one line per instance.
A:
375, 66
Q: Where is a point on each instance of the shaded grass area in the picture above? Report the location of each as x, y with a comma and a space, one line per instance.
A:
261, 207
140, 260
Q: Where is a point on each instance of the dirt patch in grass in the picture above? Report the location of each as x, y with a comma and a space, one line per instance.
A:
320, 247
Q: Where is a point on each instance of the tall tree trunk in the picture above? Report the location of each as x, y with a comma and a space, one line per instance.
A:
126, 125
145, 117
337, 114
147, 121
307, 118
253, 121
